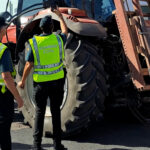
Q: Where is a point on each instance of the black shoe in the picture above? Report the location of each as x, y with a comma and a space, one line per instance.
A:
60, 147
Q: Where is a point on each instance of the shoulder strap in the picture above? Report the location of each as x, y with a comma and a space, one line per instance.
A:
60, 47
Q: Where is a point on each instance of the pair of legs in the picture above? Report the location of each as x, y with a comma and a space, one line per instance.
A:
53, 90
6, 117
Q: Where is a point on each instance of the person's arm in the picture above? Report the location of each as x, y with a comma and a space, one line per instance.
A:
29, 64
6, 68
63, 25
27, 69
9, 82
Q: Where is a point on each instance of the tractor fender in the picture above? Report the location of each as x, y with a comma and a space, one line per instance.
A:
83, 26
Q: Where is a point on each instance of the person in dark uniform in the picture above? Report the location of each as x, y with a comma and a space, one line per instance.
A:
46, 54
7, 91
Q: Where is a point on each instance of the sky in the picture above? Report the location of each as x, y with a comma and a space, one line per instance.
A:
3, 5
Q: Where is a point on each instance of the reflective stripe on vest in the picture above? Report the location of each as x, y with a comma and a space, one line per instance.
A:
50, 49
48, 73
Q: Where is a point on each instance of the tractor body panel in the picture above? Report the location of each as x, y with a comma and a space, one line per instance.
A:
80, 24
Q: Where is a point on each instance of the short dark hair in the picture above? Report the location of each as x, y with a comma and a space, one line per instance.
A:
2, 22
46, 24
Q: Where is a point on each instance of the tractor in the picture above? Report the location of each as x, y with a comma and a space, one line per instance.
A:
107, 57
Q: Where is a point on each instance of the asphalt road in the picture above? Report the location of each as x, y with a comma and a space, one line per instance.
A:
119, 133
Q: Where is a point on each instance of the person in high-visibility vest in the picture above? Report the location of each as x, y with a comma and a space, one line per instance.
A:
7, 91
46, 54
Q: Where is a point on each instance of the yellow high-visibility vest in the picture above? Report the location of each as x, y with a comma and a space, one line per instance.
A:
2, 50
48, 55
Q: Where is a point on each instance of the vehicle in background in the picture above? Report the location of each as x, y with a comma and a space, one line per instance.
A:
106, 57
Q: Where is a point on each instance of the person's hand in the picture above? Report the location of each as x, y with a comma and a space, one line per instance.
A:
57, 12
21, 84
19, 102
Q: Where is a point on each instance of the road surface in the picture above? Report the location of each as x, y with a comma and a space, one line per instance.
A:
115, 134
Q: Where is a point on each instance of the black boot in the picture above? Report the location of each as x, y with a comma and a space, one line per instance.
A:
59, 147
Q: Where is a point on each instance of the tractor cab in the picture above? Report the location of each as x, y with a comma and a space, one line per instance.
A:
96, 9
21, 12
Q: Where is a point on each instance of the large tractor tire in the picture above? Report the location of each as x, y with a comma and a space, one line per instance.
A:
84, 88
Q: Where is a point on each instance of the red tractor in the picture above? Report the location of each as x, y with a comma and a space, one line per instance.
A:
107, 61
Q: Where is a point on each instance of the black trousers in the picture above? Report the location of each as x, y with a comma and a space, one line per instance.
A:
53, 90
6, 118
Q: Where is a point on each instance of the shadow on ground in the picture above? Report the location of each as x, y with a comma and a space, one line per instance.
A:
120, 129
19, 146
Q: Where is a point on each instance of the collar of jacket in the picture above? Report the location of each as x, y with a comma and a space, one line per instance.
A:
44, 34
